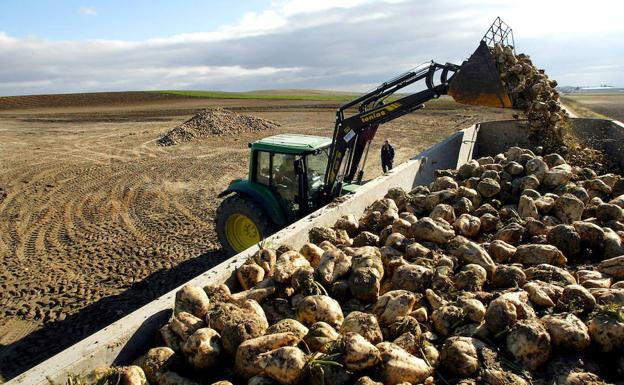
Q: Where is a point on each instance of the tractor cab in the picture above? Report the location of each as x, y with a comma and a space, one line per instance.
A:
285, 182
293, 167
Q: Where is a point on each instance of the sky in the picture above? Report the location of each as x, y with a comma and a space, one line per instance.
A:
51, 46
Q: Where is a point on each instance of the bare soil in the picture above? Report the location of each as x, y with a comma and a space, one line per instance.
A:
597, 105
81, 100
98, 219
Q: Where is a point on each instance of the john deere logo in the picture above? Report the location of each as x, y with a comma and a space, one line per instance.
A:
381, 112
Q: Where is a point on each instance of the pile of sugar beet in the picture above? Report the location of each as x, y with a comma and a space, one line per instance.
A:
531, 90
535, 94
509, 270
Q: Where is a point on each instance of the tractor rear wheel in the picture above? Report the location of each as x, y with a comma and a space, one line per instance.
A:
241, 223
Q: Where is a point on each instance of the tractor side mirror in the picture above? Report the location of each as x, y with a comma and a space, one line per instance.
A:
299, 166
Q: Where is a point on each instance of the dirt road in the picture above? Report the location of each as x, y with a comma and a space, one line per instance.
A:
98, 220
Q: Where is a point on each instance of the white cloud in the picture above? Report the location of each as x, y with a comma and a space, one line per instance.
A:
88, 11
6, 39
369, 17
293, 7
351, 44
280, 17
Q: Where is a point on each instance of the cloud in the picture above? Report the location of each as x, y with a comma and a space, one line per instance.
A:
349, 45
88, 11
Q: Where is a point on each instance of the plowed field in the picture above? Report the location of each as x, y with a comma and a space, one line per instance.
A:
597, 105
98, 219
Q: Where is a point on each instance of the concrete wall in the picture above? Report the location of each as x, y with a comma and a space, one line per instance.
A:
604, 135
496, 137
124, 340
601, 134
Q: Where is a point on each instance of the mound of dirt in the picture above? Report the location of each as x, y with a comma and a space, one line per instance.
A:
215, 122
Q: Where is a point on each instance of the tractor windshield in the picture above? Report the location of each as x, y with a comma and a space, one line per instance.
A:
296, 179
317, 164
284, 176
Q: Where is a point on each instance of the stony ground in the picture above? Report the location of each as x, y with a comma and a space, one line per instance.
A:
96, 219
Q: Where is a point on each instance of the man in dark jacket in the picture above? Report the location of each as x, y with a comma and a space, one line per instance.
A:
387, 156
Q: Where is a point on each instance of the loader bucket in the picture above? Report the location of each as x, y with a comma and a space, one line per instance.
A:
478, 81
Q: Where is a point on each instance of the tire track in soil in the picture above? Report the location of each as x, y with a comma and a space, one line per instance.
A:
79, 226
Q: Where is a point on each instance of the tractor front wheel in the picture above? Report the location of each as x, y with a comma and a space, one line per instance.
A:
241, 223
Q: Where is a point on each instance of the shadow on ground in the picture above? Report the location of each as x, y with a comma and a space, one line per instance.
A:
54, 337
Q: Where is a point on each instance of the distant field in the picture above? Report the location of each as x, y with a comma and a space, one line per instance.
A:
268, 94
597, 105
90, 99
168, 99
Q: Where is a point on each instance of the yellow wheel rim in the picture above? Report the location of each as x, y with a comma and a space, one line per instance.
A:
241, 232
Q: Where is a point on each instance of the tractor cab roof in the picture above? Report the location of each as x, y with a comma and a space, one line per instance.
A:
291, 143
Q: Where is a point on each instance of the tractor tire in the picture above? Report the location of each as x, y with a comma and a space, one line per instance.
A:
241, 223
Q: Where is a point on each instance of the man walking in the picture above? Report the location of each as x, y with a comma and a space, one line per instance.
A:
387, 156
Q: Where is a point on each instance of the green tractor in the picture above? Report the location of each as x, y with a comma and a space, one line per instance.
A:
293, 175
285, 182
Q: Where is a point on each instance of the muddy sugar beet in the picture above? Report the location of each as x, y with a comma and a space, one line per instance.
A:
509, 270
533, 92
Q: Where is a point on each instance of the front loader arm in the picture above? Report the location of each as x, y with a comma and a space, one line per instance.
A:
476, 81
353, 134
